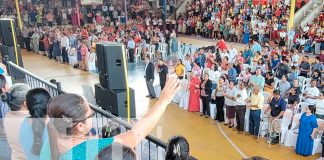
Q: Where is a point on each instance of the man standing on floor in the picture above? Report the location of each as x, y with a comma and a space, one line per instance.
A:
149, 77
256, 103
65, 43
241, 96
131, 48
277, 109
163, 72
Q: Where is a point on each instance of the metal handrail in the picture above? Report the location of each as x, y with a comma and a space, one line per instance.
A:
14, 68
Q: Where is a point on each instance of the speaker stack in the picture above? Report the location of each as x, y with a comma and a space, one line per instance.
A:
111, 92
8, 41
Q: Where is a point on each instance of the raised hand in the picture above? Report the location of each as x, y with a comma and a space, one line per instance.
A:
171, 88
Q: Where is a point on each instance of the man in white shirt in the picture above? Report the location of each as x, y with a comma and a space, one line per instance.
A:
65, 43
311, 94
232, 54
241, 97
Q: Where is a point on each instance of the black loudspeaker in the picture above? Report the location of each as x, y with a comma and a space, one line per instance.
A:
10, 53
115, 101
111, 65
7, 32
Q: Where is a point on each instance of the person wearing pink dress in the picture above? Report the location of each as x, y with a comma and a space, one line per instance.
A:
194, 96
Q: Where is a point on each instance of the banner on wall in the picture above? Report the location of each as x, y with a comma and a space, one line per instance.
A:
91, 2
292, 14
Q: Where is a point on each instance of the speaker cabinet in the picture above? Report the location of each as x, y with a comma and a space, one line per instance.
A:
7, 31
111, 65
115, 101
9, 52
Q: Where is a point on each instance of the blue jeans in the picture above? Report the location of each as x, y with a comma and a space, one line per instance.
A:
254, 121
5, 150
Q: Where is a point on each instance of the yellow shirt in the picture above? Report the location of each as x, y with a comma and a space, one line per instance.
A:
257, 100
179, 70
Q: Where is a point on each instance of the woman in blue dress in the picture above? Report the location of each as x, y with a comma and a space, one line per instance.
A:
307, 129
32, 131
70, 122
174, 42
246, 35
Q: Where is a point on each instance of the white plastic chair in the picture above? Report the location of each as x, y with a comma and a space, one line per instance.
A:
138, 51
307, 81
247, 119
266, 96
286, 120
303, 106
245, 67
291, 136
151, 51
184, 101
317, 147
162, 49
301, 80
305, 87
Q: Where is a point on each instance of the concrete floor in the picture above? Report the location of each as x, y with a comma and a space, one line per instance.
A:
206, 137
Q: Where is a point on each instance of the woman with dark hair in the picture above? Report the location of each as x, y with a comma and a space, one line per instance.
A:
269, 82
16, 99
180, 69
307, 130
117, 151
32, 130
317, 75
205, 95
219, 94
71, 121
178, 149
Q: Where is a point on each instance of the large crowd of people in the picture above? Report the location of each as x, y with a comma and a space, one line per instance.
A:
265, 79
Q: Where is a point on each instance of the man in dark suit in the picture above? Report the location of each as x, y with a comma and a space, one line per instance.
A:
149, 77
163, 72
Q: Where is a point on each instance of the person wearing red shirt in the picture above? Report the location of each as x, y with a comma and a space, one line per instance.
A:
221, 45
84, 33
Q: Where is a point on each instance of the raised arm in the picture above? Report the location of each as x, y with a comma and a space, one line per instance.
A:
145, 125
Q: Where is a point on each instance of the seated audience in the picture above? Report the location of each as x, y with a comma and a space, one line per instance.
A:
284, 86
294, 94
310, 94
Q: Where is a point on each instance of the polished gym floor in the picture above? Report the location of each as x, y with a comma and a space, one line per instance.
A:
208, 139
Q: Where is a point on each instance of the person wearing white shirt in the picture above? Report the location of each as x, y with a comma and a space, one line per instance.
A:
99, 28
65, 43
232, 54
310, 94
230, 103
291, 35
241, 97
214, 75
320, 106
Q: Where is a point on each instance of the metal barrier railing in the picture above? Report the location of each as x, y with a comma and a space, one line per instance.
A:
150, 148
